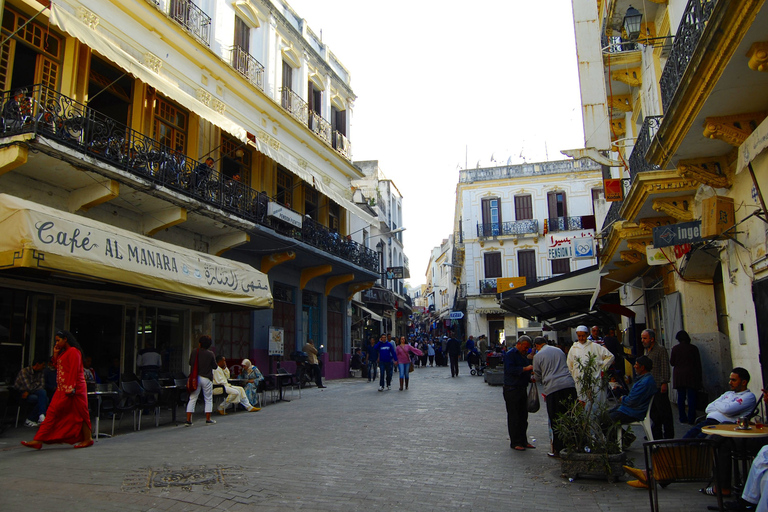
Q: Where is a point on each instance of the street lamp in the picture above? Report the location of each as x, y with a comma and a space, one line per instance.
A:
632, 23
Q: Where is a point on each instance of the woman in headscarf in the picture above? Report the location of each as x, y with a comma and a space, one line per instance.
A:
67, 419
254, 377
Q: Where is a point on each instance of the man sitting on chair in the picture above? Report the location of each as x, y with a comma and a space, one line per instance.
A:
739, 401
634, 406
234, 393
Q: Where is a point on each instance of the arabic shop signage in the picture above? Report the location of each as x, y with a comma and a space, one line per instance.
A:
575, 247
284, 214
677, 234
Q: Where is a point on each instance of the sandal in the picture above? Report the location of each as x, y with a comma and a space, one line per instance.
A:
34, 446
519, 448
84, 444
530, 446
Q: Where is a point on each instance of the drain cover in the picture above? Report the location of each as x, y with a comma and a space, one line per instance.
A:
187, 478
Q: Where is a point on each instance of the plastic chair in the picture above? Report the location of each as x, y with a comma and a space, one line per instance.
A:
136, 394
645, 423
291, 383
159, 397
680, 460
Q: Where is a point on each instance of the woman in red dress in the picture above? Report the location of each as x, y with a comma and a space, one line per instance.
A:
67, 419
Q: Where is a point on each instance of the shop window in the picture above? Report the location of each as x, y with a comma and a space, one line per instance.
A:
284, 191
233, 334
335, 329
170, 125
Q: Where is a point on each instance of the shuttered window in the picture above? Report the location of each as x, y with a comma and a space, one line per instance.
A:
557, 205
526, 266
561, 266
492, 264
523, 207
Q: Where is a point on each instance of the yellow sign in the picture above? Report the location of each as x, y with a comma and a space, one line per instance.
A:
504, 284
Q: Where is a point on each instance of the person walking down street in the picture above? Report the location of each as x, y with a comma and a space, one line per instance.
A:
424, 353
686, 375
662, 422
206, 363
517, 376
387, 358
372, 359
453, 347
580, 353
254, 378
431, 352
550, 369
31, 384
309, 348
470, 351
67, 420
403, 352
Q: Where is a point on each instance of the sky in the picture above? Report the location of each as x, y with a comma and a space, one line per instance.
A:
443, 86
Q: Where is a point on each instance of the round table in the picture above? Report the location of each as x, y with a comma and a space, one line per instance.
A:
739, 455
730, 430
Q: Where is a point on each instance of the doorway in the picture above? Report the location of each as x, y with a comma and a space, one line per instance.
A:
760, 298
97, 326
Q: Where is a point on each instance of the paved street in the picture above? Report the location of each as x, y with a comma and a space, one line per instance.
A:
442, 445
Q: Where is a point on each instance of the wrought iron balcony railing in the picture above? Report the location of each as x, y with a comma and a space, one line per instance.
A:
692, 25
488, 286
44, 112
612, 215
192, 18
247, 66
637, 161
617, 44
461, 291
571, 223
512, 227
342, 145
293, 103
320, 126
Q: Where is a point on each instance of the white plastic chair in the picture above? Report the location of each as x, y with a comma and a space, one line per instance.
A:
645, 423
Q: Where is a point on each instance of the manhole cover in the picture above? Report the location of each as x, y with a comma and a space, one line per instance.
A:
187, 478
203, 476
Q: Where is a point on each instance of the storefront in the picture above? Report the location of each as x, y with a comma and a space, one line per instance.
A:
115, 290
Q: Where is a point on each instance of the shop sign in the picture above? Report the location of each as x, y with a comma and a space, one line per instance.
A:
284, 214
276, 341
395, 272
658, 256
560, 249
504, 284
677, 234
456, 315
583, 247
613, 189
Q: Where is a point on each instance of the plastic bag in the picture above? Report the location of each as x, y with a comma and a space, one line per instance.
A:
533, 398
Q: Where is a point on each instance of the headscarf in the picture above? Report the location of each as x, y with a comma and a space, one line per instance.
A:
246, 363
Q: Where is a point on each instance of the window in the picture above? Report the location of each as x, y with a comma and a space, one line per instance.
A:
526, 266
339, 120
561, 266
491, 216
311, 202
334, 218
170, 125
287, 85
523, 208
235, 160
242, 35
492, 264
314, 98
556, 203
284, 192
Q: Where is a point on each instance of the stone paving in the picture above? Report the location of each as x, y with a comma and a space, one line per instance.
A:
442, 445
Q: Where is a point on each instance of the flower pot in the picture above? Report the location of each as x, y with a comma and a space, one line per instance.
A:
592, 465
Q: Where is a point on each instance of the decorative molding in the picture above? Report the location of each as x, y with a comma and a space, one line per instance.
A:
678, 207
204, 97
268, 139
302, 163
627, 230
218, 105
712, 171
631, 256
88, 17
733, 129
758, 56
639, 245
654, 222
153, 62
619, 128
632, 77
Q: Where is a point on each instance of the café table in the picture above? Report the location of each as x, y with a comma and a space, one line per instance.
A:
176, 390
731, 431
99, 396
278, 377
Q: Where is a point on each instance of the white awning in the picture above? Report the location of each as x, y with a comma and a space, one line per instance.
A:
44, 238
374, 316
106, 44
575, 285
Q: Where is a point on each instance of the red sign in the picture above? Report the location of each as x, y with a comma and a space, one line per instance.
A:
681, 250
614, 191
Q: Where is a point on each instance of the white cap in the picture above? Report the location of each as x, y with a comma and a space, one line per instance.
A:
582, 328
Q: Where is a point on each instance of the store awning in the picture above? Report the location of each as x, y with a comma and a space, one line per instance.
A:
100, 40
556, 299
374, 316
613, 280
44, 238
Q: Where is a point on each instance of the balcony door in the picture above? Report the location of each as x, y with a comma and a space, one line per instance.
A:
31, 56
557, 205
109, 91
526, 266
491, 211
242, 35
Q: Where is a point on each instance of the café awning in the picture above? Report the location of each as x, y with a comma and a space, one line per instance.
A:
39, 237
617, 278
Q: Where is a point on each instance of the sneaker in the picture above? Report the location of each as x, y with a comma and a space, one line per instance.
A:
30, 423
210, 422
381, 388
41, 418
187, 423
389, 388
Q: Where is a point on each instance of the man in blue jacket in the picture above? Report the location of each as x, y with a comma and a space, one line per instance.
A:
387, 357
517, 376
634, 406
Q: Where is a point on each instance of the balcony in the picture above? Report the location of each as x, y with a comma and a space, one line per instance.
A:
617, 44
488, 286
461, 291
692, 25
247, 66
637, 161
320, 126
192, 19
46, 113
293, 103
556, 224
341, 145
612, 215
513, 227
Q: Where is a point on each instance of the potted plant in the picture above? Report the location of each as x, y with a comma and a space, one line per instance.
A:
590, 438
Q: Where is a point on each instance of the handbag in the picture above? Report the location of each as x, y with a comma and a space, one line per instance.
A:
410, 368
192, 379
533, 398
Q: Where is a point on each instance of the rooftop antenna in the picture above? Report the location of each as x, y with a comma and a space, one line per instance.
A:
546, 151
